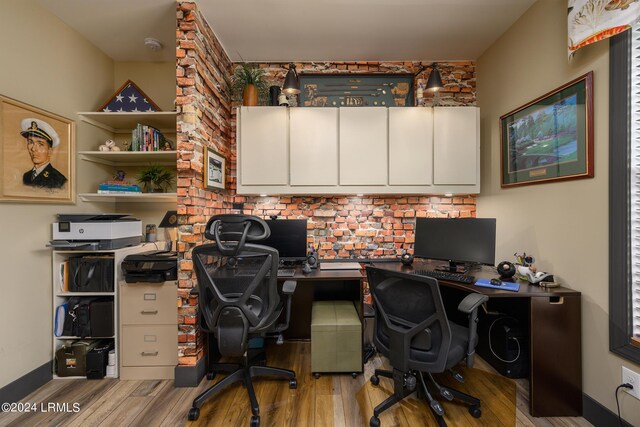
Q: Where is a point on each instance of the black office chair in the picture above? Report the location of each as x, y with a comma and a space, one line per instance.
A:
239, 301
413, 332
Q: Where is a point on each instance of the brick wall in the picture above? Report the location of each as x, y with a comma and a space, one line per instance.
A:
204, 120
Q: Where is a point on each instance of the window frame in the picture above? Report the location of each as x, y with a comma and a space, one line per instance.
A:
620, 309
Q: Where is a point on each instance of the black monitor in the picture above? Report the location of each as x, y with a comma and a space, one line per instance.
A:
289, 237
456, 240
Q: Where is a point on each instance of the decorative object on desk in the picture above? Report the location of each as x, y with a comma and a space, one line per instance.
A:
155, 179
406, 258
537, 277
129, 98
368, 90
506, 270
248, 83
37, 158
109, 145
170, 223
551, 137
214, 169
151, 233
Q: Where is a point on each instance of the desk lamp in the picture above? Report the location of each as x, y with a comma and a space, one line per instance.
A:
170, 224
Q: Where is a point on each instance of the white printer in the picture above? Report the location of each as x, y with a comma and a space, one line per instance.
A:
97, 231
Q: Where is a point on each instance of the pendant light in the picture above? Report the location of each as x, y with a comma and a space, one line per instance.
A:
291, 81
434, 83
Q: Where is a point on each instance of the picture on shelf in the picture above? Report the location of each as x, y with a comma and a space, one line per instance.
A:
37, 154
214, 170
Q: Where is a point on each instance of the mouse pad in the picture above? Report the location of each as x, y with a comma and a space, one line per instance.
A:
507, 286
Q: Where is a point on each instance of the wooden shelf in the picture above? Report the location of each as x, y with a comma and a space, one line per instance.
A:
130, 198
130, 158
125, 122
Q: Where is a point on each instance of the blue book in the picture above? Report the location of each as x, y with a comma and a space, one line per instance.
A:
506, 286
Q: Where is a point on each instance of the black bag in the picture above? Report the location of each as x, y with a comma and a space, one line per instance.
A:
93, 273
78, 322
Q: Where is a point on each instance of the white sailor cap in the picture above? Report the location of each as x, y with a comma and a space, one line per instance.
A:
39, 128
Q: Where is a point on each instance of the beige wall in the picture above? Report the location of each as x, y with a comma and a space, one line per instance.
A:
564, 224
48, 65
151, 78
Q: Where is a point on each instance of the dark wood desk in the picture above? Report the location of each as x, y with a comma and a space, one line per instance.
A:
555, 339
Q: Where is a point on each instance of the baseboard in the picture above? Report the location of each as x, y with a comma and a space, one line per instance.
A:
190, 376
598, 415
27, 384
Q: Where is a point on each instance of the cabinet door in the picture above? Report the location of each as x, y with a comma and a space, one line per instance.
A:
363, 146
456, 146
410, 145
263, 140
313, 134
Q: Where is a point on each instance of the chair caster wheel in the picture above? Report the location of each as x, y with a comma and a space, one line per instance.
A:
293, 383
316, 375
354, 375
255, 421
211, 375
475, 411
374, 380
194, 413
374, 422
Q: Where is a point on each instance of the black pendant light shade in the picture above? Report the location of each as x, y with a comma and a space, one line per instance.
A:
291, 82
435, 81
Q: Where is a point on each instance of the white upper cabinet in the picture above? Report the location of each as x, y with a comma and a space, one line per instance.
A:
410, 146
263, 152
363, 146
313, 143
456, 151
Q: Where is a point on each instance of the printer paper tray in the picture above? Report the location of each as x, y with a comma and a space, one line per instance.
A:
66, 244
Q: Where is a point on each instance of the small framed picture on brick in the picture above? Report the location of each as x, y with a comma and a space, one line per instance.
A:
214, 169
37, 154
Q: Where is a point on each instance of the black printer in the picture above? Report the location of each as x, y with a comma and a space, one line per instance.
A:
153, 266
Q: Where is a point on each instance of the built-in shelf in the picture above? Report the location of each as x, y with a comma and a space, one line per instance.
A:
130, 198
130, 158
123, 122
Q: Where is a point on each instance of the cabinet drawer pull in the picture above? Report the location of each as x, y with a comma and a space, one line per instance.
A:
145, 353
149, 312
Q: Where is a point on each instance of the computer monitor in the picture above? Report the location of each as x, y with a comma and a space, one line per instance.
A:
289, 237
456, 240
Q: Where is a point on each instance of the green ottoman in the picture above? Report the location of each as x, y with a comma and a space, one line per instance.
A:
336, 338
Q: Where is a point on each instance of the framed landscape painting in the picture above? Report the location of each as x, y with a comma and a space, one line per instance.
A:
551, 137
37, 154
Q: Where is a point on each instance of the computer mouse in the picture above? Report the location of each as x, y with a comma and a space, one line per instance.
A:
496, 282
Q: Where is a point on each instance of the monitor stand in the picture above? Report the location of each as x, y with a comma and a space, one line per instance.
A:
453, 267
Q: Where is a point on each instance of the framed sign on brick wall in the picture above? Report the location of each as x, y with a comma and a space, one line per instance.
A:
356, 90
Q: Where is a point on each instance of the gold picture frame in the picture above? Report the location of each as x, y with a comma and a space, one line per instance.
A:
214, 169
37, 154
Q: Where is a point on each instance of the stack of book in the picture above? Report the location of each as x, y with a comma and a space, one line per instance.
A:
147, 138
118, 187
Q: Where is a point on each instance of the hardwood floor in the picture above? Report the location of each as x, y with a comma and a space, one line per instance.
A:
331, 400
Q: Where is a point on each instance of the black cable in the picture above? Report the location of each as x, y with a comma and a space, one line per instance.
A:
625, 385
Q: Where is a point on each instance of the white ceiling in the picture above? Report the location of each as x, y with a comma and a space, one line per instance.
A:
300, 30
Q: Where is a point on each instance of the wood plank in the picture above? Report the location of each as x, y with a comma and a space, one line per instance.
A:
105, 404
164, 402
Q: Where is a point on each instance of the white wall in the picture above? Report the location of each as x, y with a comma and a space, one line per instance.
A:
563, 224
50, 66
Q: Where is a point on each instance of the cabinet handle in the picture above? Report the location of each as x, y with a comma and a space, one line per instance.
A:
149, 312
144, 353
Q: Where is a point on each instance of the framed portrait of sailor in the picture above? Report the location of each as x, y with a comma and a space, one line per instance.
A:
37, 154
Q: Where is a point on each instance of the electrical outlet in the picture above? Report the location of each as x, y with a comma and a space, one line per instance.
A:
633, 378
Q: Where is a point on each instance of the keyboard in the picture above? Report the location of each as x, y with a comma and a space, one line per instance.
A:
285, 272
446, 275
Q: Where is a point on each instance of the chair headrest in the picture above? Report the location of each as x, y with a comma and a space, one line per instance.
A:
231, 231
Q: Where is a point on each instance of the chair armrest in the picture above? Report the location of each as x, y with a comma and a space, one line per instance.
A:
289, 287
471, 302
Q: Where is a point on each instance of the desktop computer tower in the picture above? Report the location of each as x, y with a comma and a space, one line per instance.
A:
504, 342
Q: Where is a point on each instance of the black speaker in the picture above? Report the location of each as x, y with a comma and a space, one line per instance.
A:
506, 269
406, 258
312, 259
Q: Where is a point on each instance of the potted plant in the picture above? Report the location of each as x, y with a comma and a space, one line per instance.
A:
249, 81
155, 179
